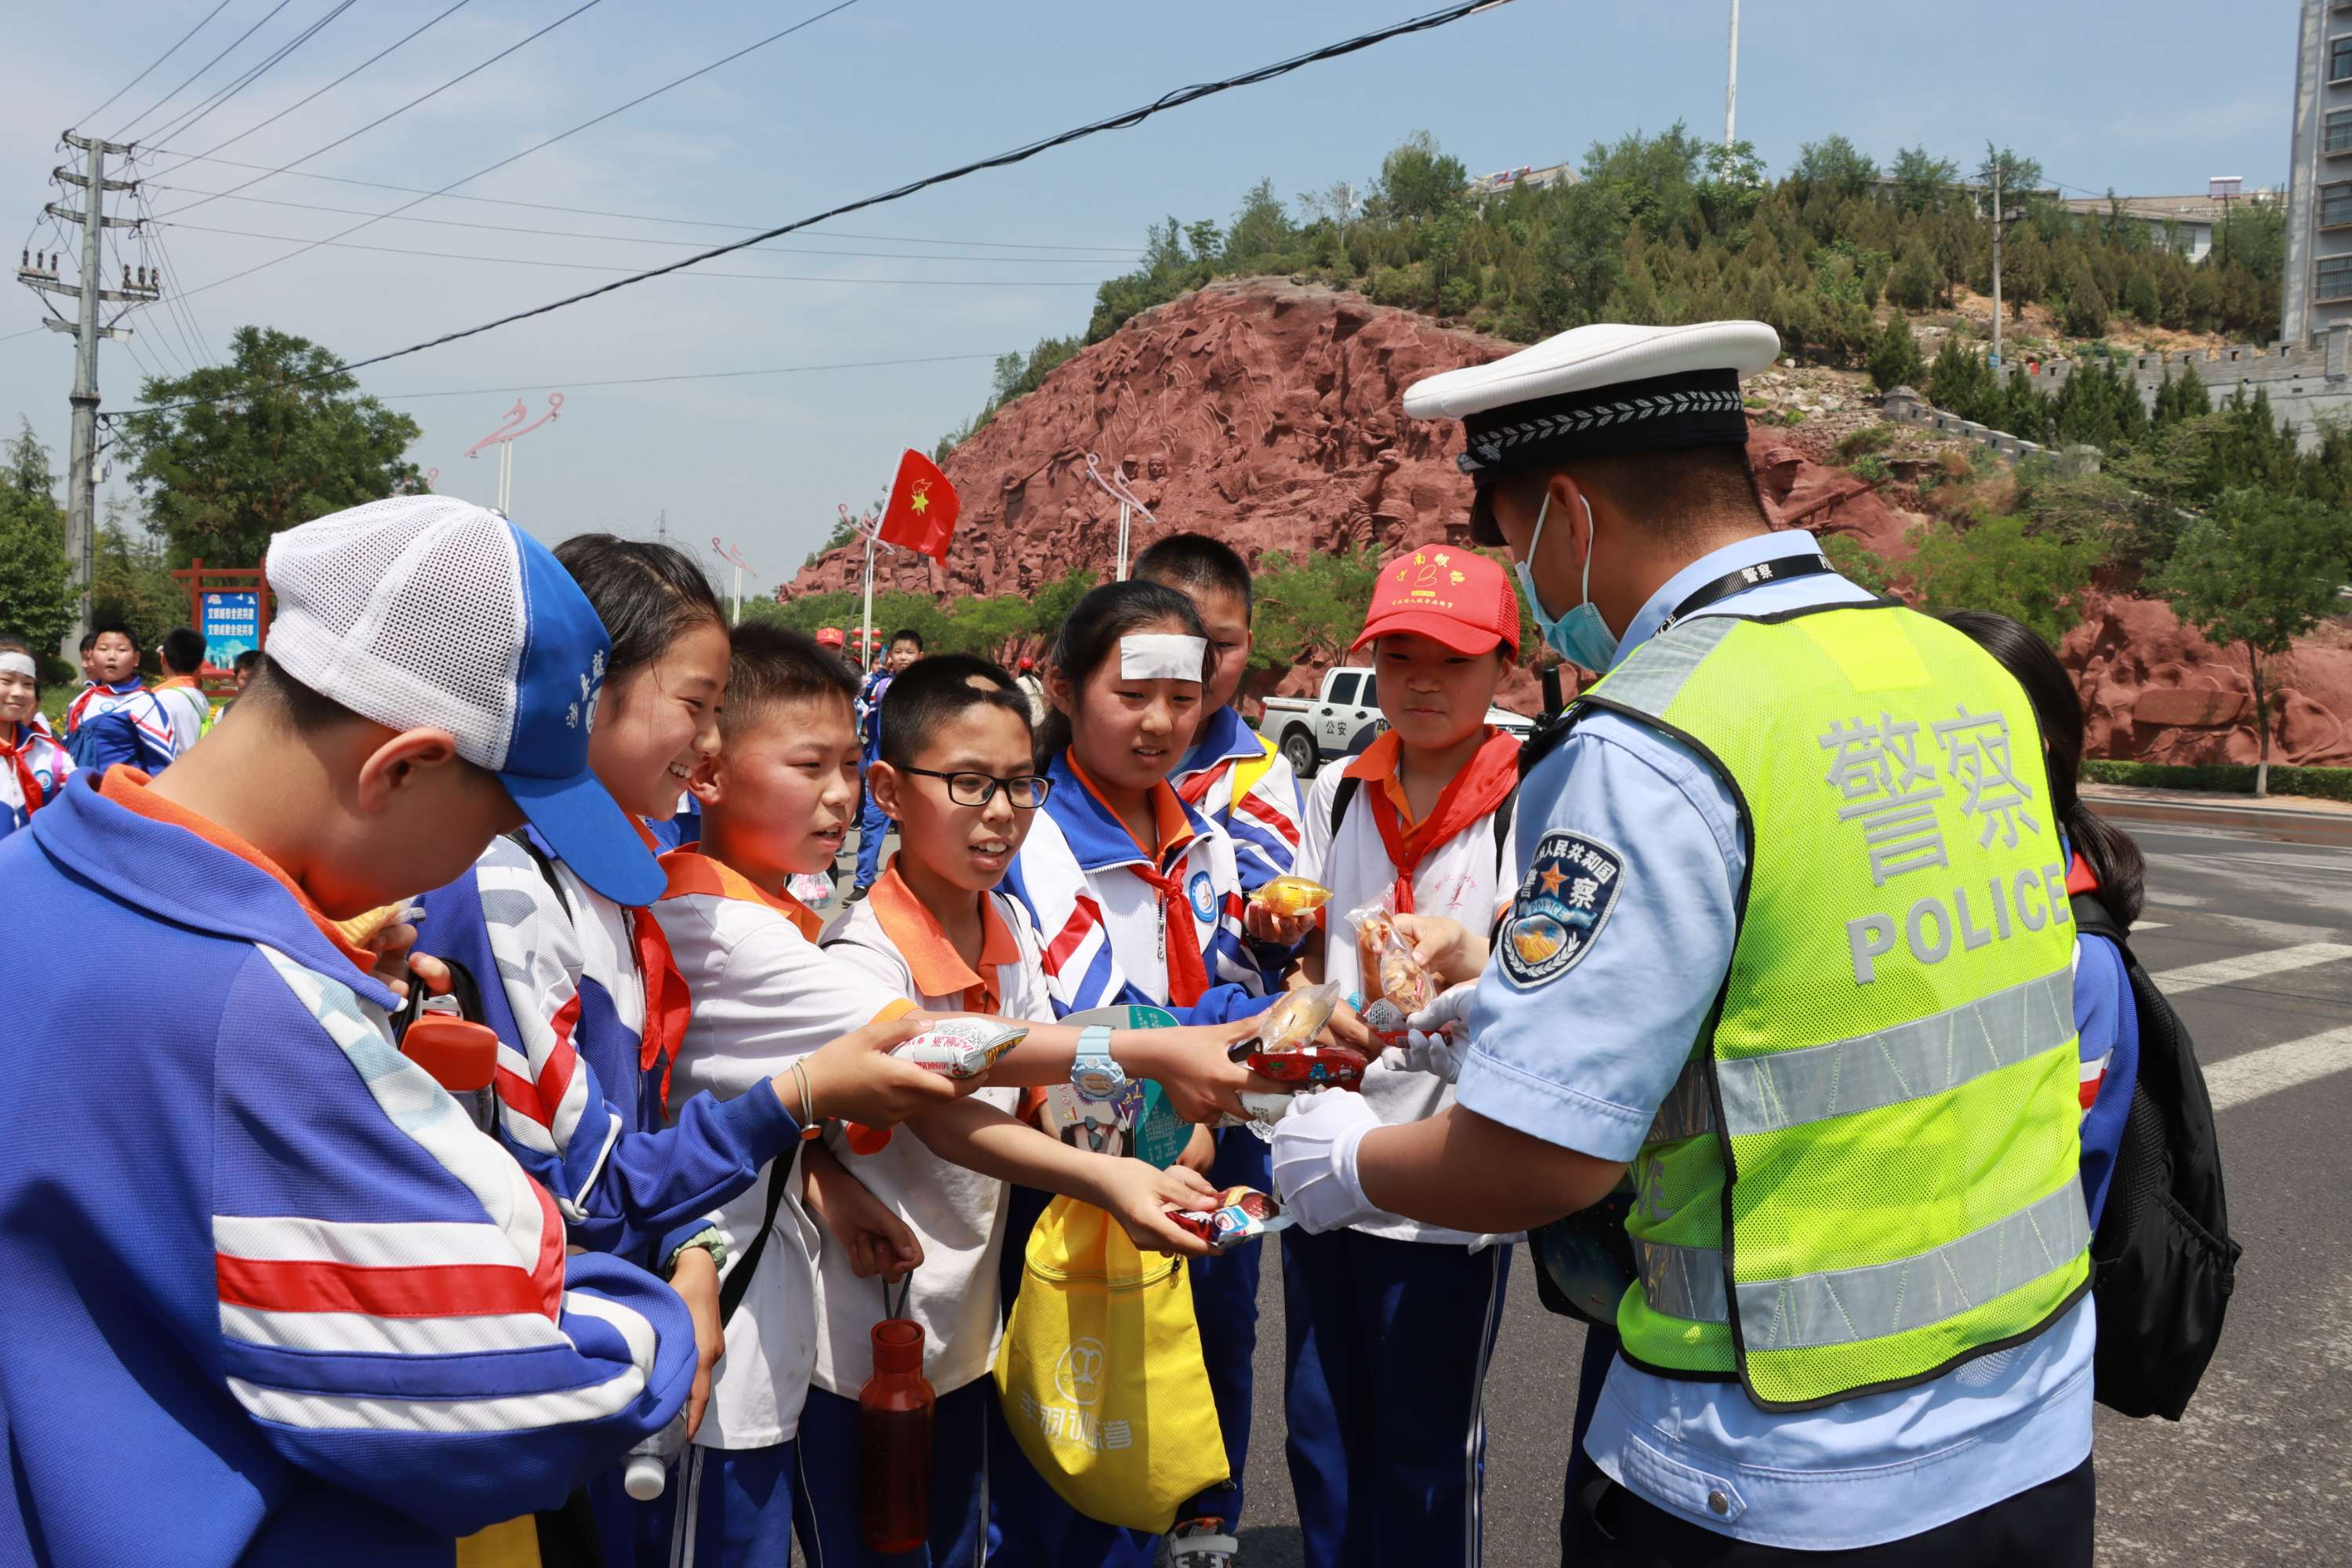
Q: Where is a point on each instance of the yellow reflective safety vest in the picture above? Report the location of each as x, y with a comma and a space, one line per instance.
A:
1866, 1174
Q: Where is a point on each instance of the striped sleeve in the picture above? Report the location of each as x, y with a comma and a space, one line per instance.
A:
1263, 822
619, 1185
398, 1314
1081, 972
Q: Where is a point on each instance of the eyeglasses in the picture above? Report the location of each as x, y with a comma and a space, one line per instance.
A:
1027, 792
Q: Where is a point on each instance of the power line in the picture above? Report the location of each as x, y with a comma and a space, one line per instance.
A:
810, 21
143, 76
189, 120
191, 157
635, 239
591, 266
590, 212
453, 81
124, 134
686, 375
1175, 98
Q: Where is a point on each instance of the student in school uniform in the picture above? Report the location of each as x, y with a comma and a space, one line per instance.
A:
1386, 1450
181, 655
955, 777
272, 1297
32, 765
119, 718
1232, 775
778, 800
1140, 898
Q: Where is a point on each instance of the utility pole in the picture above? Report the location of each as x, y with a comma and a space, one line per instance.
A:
1731, 78
87, 328
1999, 224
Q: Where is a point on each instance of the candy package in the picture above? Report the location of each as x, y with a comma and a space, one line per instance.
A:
1291, 1023
1387, 954
1291, 897
1341, 1066
1266, 1110
961, 1048
1242, 1215
361, 929
1386, 1021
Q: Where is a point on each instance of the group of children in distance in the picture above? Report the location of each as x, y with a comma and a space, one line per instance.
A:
115, 718
696, 1073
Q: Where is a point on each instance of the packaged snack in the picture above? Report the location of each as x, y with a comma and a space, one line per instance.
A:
1389, 956
1386, 1021
961, 1048
1242, 1215
1341, 1066
1264, 1110
1292, 895
1291, 1023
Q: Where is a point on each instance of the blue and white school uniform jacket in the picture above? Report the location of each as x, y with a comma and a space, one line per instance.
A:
47, 763
578, 1103
272, 1298
1264, 822
1076, 874
144, 729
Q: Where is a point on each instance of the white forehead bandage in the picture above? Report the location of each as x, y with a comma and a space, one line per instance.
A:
1162, 656
14, 663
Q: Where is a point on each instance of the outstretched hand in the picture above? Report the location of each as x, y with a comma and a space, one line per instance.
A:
855, 1079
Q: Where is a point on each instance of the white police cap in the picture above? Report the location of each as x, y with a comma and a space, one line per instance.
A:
1602, 389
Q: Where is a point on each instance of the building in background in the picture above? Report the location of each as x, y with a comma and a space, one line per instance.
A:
2190, 225
2318, 292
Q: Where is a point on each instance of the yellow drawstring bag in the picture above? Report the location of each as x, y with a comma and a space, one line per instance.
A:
1101, 1376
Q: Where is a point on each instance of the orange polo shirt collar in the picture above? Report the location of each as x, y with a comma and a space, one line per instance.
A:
126, 786
939, 970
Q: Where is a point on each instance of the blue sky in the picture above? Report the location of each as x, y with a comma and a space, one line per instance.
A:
2147, 98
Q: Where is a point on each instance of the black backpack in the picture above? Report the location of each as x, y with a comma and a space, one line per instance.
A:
2162, 1263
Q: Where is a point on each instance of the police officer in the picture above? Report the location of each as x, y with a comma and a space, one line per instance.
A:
1790, 946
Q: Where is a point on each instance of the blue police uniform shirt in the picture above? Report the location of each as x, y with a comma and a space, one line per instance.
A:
1582, 1057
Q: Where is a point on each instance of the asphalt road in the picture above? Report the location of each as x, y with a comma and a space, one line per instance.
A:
2257, 1473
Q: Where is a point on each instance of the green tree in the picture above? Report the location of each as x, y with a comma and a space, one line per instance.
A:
2140, 296
1856, 562
1916, 281
1418, 182
1308, 611
275, 437
2086, 308
1960, 382
1834, 166
1262, 232
2019, 177
2001, 564
131, 579
1580, 259
1922, 183
1054, 601
36, 601
2261, 570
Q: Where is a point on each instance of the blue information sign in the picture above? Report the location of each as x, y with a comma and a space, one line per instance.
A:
232, 624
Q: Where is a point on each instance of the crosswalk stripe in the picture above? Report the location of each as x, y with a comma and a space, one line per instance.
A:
2266, 1071
2249, 966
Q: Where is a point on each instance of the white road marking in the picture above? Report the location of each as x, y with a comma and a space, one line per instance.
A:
2249, 966
2266, 1071
2150, 925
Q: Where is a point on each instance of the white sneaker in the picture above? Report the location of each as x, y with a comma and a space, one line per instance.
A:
1200, 1544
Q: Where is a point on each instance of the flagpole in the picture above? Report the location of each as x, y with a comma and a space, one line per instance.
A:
865, 616
1122, 542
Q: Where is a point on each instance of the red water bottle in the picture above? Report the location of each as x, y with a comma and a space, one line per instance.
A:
894, 1441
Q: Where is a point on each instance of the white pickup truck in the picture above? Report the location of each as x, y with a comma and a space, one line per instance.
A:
1312, 730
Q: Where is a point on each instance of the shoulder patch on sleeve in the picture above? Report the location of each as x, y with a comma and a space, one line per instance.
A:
1572, 883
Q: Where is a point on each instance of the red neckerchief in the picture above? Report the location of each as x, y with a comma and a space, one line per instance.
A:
1188, 972
1194, 790
1473, 792
13, 748
2079, 878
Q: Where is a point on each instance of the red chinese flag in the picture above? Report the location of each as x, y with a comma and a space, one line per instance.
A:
921, 515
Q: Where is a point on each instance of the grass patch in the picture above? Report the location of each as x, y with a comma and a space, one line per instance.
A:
2227, 778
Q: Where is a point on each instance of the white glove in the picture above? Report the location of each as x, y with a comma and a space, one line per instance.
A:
1315, 1160
1439, 1056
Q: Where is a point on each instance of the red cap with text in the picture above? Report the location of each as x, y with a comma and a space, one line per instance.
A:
1448, 593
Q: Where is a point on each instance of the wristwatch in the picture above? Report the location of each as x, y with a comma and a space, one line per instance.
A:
1094, 1074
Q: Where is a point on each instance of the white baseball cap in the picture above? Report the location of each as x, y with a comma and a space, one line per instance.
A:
430, 611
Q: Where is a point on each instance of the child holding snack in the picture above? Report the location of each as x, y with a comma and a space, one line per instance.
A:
778, 801
1140, 898
1385, 1448
272, 1297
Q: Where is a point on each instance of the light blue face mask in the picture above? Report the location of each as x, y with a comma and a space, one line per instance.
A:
1580, 636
